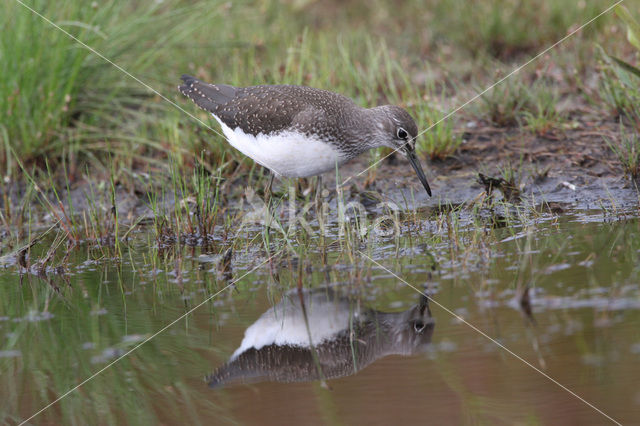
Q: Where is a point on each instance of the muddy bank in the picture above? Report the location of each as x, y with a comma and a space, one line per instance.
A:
574, 169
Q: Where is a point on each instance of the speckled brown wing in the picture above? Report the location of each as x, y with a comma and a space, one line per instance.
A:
267, 109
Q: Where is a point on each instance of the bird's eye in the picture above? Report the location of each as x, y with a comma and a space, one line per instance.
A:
402, 133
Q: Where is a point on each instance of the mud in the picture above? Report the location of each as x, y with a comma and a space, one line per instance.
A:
560, 170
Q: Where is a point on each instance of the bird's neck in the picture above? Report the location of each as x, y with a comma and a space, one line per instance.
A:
375, 136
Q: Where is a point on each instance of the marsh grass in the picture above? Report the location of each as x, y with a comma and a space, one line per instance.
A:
113, 126
131, 138
627, 149
543, 116
185, 209
55, 82
620, 87
82, 107
506, 29
16, 214
519, 103
504, 104
442, 139
620, 79
620, 91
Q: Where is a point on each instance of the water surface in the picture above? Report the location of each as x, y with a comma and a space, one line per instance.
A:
355, 344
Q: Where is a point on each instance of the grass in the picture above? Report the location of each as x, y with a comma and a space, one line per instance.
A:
512, 28
620, 90
88, 120
543, 116
620, 87
187, 211
505, 104
441, 140
620, 83
521, 103
627, 150
81, 107
52, 84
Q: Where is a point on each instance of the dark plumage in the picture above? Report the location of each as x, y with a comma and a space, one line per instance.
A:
298, 114
271, 109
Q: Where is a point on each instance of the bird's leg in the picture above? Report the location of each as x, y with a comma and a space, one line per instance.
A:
267, 190
318, 194
267, 200
320, 212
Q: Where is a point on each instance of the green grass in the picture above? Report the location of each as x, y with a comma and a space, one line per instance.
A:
186, 212
441, 140
627, 149
508, 29
620, 90
543, 116
57, 99
505, 104
620, 79
518, 102
55, 94
68, 116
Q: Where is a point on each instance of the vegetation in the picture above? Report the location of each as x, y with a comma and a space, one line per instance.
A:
627, 149
621, 87
59, 100
74, 122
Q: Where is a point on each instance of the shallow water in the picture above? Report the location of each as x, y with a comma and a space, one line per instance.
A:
386, 356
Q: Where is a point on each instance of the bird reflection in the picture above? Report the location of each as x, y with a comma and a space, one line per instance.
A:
319, 334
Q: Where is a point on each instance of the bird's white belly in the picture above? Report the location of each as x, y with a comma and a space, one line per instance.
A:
287, 323
286, 154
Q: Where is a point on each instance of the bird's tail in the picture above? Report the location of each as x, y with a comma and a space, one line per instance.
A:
207, 96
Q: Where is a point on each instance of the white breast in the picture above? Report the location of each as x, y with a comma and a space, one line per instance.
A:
285, 324
286, 154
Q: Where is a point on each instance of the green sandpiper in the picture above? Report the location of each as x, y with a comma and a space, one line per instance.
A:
299, 131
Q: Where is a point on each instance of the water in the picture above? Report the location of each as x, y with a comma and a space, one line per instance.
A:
386, 356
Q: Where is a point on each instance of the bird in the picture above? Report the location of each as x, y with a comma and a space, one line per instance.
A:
323, 334
300, 131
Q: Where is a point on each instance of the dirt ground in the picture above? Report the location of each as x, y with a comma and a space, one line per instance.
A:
568, 168
574, 167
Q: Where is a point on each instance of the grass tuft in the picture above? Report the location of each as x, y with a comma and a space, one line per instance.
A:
505, 103
441, 140
627, 148
54, 91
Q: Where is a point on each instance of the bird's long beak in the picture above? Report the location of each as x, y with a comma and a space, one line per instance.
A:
415, 163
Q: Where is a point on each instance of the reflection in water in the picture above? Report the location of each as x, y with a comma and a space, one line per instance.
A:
313, 335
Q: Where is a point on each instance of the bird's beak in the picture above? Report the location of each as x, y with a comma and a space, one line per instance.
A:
415, 163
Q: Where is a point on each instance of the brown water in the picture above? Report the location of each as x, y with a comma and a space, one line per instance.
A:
385, 355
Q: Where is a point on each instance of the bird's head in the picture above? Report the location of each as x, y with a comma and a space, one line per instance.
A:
398, 131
